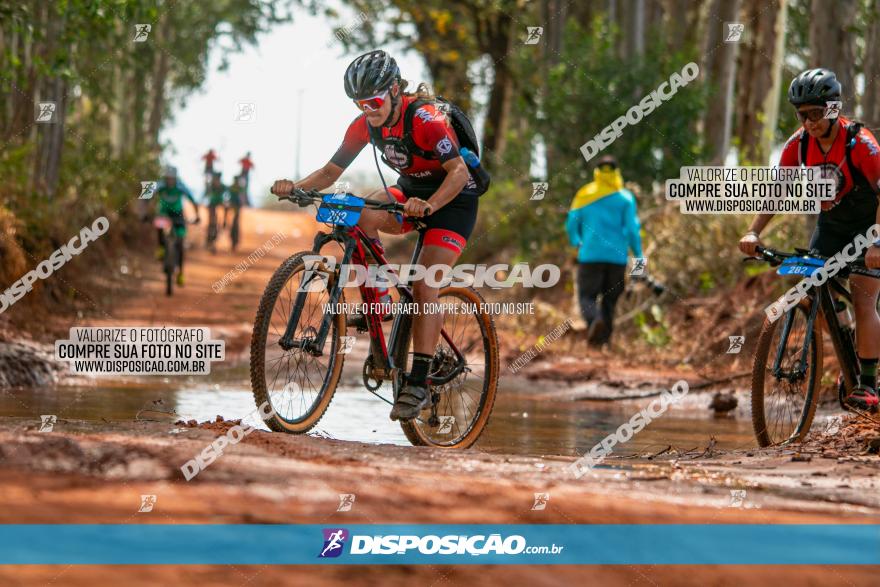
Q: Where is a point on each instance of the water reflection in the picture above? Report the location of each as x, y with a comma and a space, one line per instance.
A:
519, 425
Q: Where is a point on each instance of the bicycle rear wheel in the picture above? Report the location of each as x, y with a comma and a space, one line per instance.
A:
296, 383
784, 403
462, 406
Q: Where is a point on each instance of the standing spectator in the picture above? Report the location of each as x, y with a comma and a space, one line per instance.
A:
603, 225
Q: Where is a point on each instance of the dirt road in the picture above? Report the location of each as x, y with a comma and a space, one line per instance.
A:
95, 472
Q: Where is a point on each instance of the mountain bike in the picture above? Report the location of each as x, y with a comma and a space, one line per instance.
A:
213, 231
235, 227
172, 254
297, 349
788, 362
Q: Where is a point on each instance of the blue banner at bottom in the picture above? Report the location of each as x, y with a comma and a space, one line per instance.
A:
438, 544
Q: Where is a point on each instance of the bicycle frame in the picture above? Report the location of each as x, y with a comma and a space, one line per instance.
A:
822, 298
355, 244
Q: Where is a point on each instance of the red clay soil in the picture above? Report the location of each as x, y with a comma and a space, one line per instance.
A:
96, 472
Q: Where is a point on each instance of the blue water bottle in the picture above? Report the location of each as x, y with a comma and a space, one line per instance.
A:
480, 175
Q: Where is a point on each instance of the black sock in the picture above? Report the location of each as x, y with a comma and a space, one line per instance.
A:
419, 373
868, 374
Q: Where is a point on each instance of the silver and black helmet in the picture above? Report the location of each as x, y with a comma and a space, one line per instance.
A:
370, 74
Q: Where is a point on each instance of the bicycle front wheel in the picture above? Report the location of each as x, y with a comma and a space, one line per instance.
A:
170, 262
784, 400
298, 382
462, 405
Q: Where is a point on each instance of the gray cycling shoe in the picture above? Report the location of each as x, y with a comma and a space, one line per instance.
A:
412, 400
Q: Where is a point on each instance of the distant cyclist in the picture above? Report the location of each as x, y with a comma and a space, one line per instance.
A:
246, 165
209, 158
235, 199
170, 194
848, 153
215, 196
435, 184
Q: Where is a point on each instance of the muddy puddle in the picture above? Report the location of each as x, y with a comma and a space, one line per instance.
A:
520, 424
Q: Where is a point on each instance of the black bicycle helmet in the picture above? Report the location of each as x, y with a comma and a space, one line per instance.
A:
370, 74
814, 86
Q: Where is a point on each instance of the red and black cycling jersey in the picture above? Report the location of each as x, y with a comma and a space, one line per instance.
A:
863, 183
431, 132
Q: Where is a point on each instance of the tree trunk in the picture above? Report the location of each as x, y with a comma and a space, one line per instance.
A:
50, 136
116, 108
554, 17
871, 97
759, 78
634, 28
653, 14
832, 43
500, 37
449, 76
161, 67
584, 11
21, 122
720, 69
674, 10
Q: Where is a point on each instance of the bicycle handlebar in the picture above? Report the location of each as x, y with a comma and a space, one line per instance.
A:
775, 257
308, 197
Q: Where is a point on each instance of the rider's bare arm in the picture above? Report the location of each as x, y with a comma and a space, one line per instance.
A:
760, 222
456, 178
317, 180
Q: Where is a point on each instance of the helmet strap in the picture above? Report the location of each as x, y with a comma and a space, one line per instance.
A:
395, 100
830, 128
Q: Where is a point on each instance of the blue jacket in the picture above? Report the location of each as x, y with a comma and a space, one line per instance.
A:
603, 222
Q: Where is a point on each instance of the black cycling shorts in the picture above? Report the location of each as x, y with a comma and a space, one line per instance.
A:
448, 227
829, 239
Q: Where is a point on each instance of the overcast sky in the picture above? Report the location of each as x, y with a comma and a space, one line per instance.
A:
300, 56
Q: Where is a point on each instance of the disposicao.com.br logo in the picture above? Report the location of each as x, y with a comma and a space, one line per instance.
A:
450, 544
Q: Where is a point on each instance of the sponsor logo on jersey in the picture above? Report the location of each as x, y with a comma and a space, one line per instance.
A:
426, 116
443, 146
394, 156
872, 145
832, 171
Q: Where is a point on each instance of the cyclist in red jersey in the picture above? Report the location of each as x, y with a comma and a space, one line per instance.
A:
434, 185
849, 154
209, 159
246, 165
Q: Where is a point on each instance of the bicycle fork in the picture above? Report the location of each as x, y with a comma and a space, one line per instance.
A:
311, 281
800, 371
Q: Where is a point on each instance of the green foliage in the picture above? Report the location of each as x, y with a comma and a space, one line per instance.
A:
116, 95
592, 86
653, 327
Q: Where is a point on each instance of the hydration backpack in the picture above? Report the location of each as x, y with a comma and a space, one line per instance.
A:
461, 124
852, 131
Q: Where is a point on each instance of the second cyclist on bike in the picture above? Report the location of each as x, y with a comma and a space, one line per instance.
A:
848, 153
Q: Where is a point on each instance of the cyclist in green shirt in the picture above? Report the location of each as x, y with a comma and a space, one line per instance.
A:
236, 196
170, 194
215, 195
